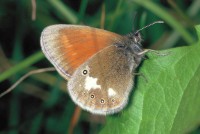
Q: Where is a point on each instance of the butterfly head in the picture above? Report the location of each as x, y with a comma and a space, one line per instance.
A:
134, 40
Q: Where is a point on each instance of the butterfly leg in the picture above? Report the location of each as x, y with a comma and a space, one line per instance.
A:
153, 51
141, 74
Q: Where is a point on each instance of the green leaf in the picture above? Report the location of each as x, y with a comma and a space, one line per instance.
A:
169, 102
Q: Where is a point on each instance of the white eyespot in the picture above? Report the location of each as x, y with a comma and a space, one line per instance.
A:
111, 92
102, 101
91, 83
92, 96
85, 72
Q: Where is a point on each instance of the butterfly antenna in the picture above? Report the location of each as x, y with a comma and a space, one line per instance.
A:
156, 22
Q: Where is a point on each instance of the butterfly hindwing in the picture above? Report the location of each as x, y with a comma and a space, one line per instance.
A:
102, 84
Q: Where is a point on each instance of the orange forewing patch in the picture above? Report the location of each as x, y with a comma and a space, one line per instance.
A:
73, 45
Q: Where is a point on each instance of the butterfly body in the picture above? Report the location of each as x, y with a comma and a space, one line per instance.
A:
99, 65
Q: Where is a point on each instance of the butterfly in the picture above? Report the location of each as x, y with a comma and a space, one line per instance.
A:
99, 65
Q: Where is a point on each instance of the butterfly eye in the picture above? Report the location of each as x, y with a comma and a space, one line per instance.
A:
85, 72
102, 101
136, 34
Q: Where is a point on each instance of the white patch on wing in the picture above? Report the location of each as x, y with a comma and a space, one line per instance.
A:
91, 83
111, 92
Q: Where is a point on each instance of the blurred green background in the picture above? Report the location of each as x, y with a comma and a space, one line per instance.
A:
40, 104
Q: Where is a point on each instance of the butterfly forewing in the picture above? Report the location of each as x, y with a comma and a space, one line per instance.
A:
69, 46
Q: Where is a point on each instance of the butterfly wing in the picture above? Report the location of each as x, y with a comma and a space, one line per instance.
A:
102, 84
69, 46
